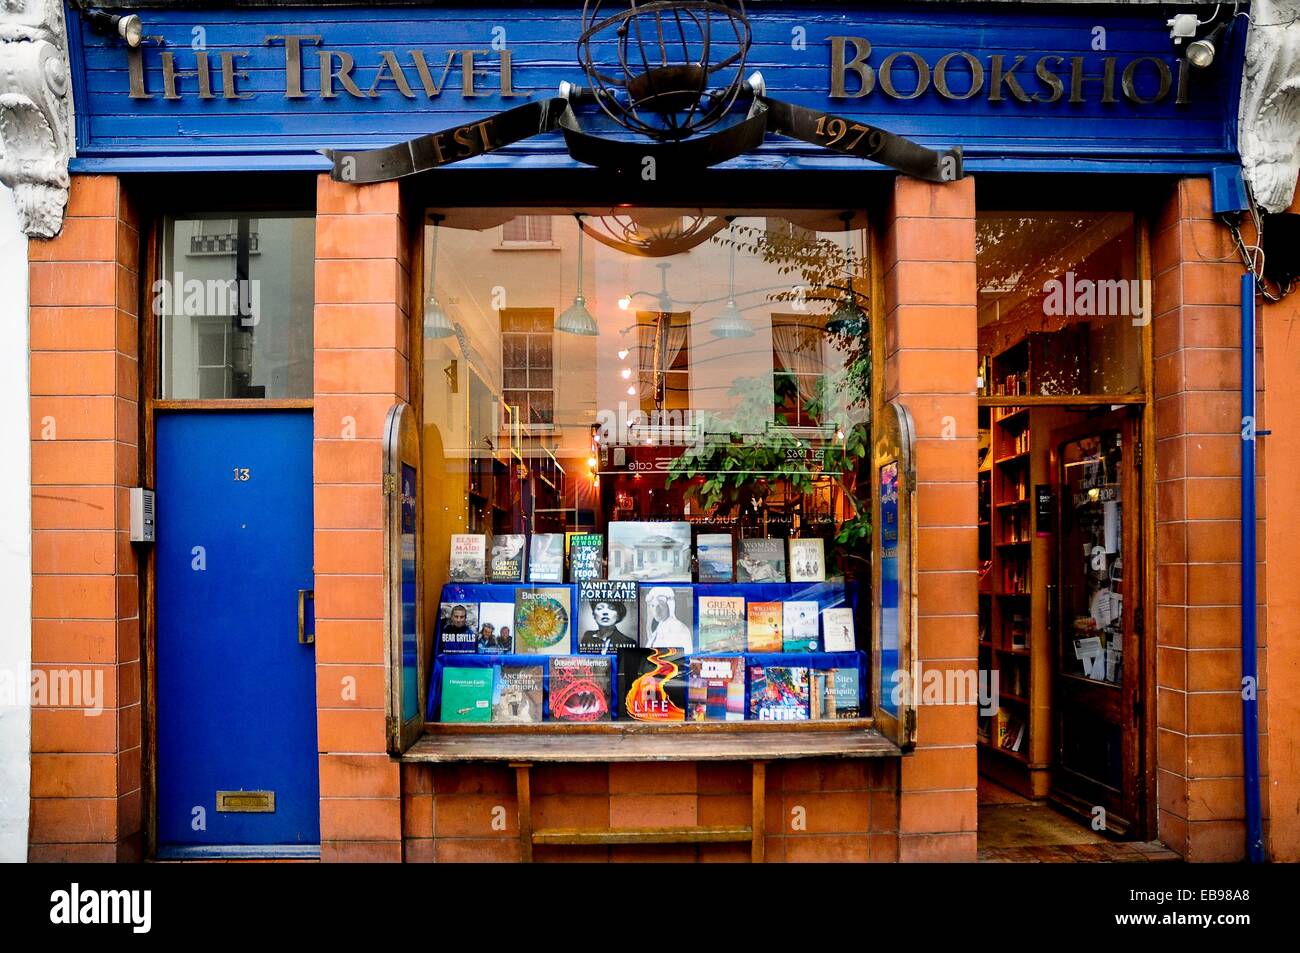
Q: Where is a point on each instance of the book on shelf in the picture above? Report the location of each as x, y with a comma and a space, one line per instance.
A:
580, 688
468, 557
466, 693
761, 560
496, 628
763, 628
834, 693
608, 611
716, 689
649, 552
807, 560
546, 557
652, 684
542, 617
1011, 730
837, 630
517, 693
668, 617
799, 626
586, 557
458, 628
508, 556
778, 693
722, 624
713, 556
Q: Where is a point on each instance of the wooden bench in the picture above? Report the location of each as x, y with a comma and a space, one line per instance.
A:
568, 744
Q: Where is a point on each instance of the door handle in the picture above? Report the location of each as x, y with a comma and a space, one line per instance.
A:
305, 637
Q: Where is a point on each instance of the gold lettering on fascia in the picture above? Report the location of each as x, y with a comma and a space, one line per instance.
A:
192, 73
1002, 77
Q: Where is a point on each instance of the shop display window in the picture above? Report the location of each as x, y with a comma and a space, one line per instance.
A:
646, 466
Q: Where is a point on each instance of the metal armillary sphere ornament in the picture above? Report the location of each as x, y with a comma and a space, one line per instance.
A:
667, 68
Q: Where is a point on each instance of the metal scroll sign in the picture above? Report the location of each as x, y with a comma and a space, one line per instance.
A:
403, 643
666, 71
894, 573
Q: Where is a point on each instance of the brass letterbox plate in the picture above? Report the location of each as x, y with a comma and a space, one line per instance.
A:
246, 802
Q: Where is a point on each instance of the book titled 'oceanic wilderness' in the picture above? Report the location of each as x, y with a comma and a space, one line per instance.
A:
580, 688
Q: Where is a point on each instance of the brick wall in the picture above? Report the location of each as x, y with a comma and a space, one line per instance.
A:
1198, 615
86, 769
930, 362
362, 282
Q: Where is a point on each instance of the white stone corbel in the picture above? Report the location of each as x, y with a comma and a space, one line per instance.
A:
36, 135
1269, 120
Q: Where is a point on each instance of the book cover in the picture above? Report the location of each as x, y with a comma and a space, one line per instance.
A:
650, 552
508, 557
542, 621
722, 624
586, 557
837, 630
546, 558
517, 693
799, 626
468, 557
807, 560
716, 689
652, 684
667, 618
761, 560
778, 693
458, 628
496, 627
466, 694
580, 688
607, 616
834, 693
763, 631
713, 555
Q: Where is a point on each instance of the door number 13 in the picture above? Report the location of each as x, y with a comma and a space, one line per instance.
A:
242, 474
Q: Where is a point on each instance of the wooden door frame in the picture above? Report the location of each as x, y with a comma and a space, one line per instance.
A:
1133, 710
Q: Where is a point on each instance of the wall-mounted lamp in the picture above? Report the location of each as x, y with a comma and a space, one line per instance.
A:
1201, 52
128, 27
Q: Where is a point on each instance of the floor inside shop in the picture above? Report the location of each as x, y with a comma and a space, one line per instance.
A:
1013, 829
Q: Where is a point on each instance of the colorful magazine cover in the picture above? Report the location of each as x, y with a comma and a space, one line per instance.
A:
458, 628
517, 693
716, 689
722, 624
607, 617
778, 693
652, 684
542, 621
580, 688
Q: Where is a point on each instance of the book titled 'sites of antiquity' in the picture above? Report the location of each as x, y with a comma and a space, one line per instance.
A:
509, 553
834, 693
468, 557
580, 688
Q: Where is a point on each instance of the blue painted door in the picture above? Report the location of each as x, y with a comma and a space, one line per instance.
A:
236, 704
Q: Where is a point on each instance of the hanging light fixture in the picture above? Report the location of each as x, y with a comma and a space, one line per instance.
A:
436, 322
730, 322
576, 319
848, 317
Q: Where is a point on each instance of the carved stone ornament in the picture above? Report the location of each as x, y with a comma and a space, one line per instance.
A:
36, 137
1270, 103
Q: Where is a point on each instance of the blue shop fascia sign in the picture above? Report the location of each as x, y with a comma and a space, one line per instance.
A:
1015, 87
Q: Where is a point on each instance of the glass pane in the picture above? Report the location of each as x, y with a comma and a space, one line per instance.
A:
236, 294
1061, 306
514, 350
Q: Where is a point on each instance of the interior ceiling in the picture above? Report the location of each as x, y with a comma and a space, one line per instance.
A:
478, 219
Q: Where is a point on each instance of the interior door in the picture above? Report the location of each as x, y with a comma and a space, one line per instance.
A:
1097, 684
236, 695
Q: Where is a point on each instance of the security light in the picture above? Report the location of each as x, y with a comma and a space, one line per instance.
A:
128, 27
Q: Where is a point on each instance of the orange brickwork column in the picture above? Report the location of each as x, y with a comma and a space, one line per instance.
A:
86, 717
1198, 578
362, 290
930, 363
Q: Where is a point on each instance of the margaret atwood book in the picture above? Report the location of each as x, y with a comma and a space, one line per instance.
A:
468, 557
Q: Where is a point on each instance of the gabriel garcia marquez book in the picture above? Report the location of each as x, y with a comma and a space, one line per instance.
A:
517, 693
652, 684
580, 688
468, 557
466, 694
778, 693
508, 557
542, 621
722, 624
716, 689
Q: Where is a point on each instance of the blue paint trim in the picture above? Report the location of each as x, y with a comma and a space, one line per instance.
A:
1249, 607
240, 852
